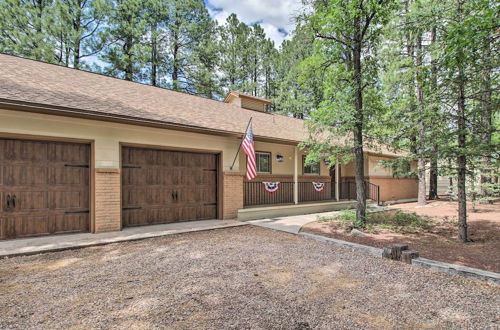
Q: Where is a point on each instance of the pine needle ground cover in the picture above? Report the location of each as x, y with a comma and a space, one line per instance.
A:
429, 229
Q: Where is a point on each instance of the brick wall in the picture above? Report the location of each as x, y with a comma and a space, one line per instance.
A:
392, 189
233, 194
107, 200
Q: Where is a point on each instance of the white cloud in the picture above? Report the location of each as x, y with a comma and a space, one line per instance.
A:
275, 16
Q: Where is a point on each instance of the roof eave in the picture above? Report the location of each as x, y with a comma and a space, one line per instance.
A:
92, 115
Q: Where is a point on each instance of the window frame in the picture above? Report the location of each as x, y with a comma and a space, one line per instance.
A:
257, 161
310, 166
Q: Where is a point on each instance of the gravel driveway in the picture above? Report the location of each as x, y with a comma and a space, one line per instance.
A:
245, 277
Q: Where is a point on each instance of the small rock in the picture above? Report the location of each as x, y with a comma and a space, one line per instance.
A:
357, 233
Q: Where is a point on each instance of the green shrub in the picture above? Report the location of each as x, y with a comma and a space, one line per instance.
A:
394, 220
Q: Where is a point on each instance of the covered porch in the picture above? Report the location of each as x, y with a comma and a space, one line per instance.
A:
285, 185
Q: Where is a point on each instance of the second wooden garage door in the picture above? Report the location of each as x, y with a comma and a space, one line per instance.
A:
161, 186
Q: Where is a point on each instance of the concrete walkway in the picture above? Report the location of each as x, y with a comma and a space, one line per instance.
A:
293, 224
290, 224
26, 246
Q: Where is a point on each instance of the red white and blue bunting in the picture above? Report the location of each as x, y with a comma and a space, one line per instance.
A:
271, 187
319, 186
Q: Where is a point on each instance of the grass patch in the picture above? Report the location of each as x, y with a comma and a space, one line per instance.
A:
393, 220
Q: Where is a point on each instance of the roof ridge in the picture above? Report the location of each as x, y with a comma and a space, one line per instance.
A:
139, 83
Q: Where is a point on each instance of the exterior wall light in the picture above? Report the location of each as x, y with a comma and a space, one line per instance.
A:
280, 158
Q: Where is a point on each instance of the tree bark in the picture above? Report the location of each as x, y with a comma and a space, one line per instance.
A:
76, 43
433, 175
421, 123
129, 64
154, 54
487, 126
461, 144
461, 160
358, 136
175, 57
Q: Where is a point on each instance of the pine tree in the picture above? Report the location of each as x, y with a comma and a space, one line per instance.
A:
347, 36
77, 25
188, 27
233, 39
26, 29
126, 27
299, 88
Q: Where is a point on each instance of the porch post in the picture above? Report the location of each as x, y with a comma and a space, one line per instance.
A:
296, 175
337, 182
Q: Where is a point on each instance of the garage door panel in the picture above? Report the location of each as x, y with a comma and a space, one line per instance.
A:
209, 212
134, 217
48, 179
134, 196
160, 215
71, 223
175, 186
133, 176
158, 195
68, 153
26, 226
21, 174
20, 150
68, 175
69, 200
26, 201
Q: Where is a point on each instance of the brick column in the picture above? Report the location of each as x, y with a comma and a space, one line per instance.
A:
233, 194
107, 200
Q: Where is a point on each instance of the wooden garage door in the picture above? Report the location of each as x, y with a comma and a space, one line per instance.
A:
160, 186
44, 188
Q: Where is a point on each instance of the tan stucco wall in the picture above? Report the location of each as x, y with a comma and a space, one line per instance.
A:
107, 136
375, 169
287, 166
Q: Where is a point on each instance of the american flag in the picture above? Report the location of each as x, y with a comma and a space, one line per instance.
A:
249, 148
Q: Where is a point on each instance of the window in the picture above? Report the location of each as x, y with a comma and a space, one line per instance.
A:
263, 160
313, 168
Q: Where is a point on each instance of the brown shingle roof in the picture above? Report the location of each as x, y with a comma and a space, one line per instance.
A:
33, 82
36, 82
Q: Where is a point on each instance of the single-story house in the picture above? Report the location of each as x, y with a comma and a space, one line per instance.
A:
83, 152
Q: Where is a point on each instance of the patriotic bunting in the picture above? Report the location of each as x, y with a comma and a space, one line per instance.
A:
318, 186
271, 187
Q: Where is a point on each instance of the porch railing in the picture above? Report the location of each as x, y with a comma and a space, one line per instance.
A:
307, 193
255, 194
348, 191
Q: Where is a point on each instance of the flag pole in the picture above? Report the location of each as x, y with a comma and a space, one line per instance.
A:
237, 152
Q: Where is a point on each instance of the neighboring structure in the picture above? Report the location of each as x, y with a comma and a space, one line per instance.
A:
82, 152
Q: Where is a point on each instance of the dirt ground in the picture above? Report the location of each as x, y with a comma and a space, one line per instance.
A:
243, 278
440, 242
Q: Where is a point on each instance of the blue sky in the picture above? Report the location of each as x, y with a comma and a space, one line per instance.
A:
275, 16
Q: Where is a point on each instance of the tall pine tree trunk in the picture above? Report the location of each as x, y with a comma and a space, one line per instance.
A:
421, 124
129, 64
154, 54
358, 136
433, 175
487, 126
461, 159
175, 56
77, 38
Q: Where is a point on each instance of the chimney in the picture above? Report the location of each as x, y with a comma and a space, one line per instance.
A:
247, 101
